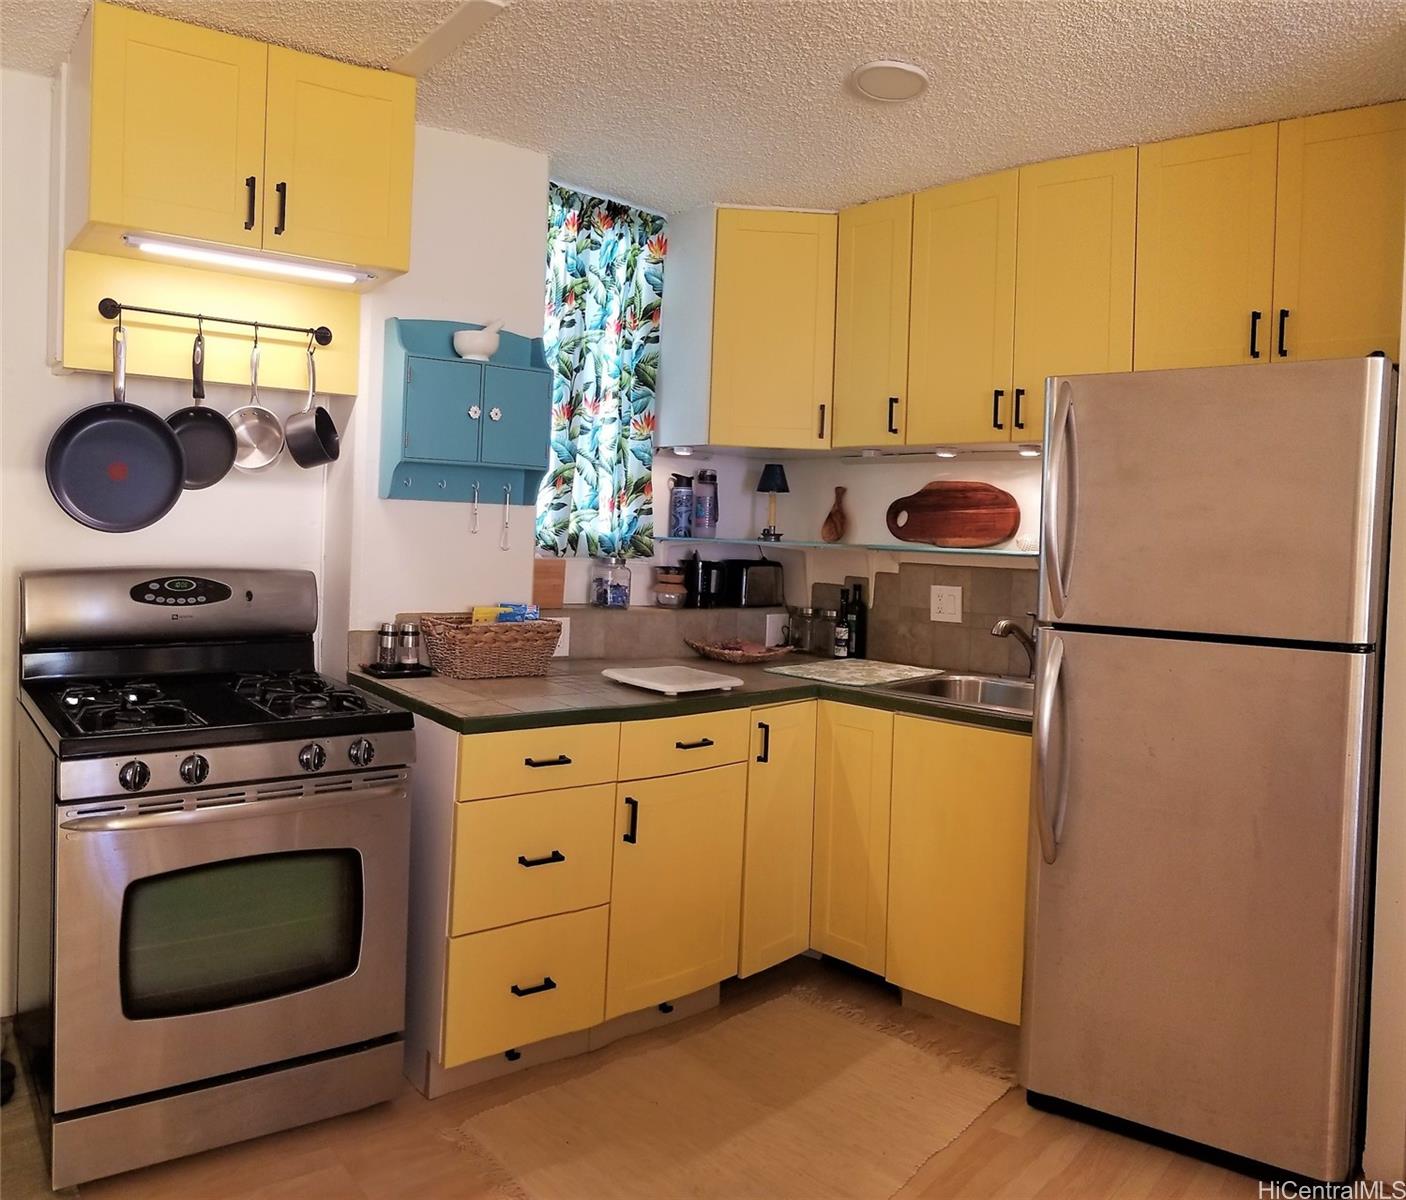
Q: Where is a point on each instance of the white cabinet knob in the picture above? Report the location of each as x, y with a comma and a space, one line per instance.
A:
475, 412
495, 414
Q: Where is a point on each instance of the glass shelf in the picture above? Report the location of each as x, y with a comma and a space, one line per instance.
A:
882, 548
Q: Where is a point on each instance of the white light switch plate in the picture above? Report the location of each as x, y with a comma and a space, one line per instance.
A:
946, 603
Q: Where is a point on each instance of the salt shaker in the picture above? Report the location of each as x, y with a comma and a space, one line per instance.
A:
410, 644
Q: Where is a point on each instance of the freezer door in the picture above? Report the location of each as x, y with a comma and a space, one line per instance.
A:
1246, 501
1193, 958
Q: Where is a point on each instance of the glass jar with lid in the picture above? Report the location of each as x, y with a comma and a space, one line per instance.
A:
610, 583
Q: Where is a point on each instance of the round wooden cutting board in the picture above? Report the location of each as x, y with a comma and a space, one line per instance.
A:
949, 512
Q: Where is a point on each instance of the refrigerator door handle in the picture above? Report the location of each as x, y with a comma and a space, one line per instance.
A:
1063, 479
1050, 823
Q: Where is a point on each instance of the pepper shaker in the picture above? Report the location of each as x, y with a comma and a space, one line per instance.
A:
387, 645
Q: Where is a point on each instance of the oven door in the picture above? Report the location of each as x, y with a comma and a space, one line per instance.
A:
202, 934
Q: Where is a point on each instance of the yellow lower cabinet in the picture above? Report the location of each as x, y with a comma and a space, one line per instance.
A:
521, 857
676, 886
776, 852
516, 985
849, 888
961, 802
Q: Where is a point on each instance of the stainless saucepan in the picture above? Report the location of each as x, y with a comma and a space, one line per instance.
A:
257, 429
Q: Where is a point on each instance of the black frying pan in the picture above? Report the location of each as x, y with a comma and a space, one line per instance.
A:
206, 436
115, 467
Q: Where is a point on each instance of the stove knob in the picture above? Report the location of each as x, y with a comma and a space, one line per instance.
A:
195, 769
134, 775
312, 757
361, 752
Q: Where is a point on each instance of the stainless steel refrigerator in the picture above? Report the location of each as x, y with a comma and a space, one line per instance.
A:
1206, 720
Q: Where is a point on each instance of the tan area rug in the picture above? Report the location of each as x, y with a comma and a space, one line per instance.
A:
790, 1100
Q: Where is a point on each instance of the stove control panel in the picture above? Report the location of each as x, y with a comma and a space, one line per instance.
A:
180, 590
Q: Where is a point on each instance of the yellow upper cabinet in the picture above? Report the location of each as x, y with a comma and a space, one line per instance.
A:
962, 315
871, 323
176, 129
1205, 249
339, 160
176, 133
773, 329
1074, 276
1338, 235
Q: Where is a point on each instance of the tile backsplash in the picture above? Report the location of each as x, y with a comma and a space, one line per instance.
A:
902, 630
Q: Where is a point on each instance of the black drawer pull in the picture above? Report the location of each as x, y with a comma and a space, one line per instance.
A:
282, 190
996, 394
250, 183
893, 408
700, 744
1255, 317
1283, 320
547, 985
820, 433
1019, 395
555, 856
559, 761
765, 755
632, 834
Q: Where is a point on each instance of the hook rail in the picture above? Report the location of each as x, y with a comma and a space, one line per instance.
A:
112, 311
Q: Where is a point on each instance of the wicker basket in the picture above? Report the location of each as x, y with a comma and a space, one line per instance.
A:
462, 650
737, 652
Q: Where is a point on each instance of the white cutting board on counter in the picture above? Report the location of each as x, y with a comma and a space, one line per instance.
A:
856, 672
672, 681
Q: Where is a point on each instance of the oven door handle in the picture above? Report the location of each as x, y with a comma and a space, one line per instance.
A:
236, 811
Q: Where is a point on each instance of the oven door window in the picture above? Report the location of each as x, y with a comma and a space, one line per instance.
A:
239, 931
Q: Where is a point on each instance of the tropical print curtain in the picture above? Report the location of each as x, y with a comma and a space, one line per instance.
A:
605, 280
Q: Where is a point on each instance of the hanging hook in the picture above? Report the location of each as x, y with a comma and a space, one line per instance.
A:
256, 333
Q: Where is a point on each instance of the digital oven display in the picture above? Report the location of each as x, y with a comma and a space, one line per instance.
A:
180, 590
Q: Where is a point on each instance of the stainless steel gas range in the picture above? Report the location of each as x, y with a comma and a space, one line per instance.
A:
212, 866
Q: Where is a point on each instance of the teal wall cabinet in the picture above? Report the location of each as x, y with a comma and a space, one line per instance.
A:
448, 425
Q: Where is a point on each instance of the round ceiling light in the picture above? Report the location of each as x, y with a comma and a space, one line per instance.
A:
889, 80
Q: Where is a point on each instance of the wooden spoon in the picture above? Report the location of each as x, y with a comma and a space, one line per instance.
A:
835, 522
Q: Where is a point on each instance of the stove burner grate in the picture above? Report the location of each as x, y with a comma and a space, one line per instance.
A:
106, 706
300, 694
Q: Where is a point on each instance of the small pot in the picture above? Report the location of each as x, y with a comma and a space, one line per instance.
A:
312, 435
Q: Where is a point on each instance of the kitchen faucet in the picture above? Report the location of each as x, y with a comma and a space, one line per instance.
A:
1008, 627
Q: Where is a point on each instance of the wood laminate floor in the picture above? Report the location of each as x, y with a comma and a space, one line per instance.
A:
401, 1151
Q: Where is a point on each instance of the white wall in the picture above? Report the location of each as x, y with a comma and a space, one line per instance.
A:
478, 239
272, 520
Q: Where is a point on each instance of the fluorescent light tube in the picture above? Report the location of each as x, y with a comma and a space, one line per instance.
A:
242, 262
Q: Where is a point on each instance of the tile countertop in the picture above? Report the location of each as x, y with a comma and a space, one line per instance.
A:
574, 692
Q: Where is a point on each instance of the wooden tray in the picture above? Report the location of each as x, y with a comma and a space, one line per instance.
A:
737, 652
955, 513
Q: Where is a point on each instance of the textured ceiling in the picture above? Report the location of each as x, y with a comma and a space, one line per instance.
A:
677, 103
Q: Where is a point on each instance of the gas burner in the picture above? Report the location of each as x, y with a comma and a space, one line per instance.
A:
300, 694
132, 718
106, 692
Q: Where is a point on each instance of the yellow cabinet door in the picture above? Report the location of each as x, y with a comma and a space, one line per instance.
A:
676, 887
849, 888
776, 853
773, 329
1073, 276
871, 323
340, 155
177, 128
962, 315
1338, 237
961, 802
516, 985
1205, 249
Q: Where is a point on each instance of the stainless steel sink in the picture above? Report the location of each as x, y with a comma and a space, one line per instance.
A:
973, 691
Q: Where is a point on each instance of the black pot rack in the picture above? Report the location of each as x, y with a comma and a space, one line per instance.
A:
113, 311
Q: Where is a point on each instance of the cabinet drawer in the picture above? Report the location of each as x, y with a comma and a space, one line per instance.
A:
520, 857
529, 760
556, 965
673, 744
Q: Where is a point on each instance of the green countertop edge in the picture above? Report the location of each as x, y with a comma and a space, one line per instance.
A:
867, 697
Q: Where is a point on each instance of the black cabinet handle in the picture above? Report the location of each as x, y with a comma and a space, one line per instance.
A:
559, 761
548, 984
282, 190
820, 433
1255, 333
1283, 321
700, 744
251, 183
555, 856
765, 755
996, 395
632, 835
1019, 395
893, 408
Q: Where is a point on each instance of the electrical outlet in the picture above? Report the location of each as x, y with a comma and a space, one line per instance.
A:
946, 603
